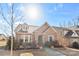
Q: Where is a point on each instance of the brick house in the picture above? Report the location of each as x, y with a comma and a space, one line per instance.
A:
3, 37
72, 35
39, 34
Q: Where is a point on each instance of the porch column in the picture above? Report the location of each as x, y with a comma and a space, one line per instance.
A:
23, 38
29, 37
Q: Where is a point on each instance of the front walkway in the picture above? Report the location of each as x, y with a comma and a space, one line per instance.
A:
68, 51
53, 52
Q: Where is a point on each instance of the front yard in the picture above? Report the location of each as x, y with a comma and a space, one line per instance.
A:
35, 52
40, 52
43, 52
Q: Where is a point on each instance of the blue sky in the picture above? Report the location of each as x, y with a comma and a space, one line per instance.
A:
53, 13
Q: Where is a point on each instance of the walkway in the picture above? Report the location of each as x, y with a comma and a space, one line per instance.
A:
53, 52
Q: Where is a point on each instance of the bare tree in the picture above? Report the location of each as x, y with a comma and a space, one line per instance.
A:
63, 24
11, 21
75, 21
60, 25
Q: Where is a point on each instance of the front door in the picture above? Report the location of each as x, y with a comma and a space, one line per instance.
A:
75, 45
40, 40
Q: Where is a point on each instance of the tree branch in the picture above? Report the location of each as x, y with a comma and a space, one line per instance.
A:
4, 18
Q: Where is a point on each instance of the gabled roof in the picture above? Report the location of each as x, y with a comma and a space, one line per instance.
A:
29, 28
45, 24
3, 36
77, 31
50, 28
22, 30
72, 33
69, 33
45, 28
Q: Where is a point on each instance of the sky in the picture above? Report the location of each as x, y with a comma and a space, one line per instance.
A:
55, 14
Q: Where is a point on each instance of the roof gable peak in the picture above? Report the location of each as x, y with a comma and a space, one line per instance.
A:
46, 23
74, 34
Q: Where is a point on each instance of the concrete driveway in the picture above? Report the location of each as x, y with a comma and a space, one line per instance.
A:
53, 52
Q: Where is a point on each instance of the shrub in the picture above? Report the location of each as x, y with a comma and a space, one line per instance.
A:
52, 43
8, 46
33, 45
48, 44
56, 44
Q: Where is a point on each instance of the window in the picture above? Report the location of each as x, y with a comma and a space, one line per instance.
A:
21, 41
26, 40
50, 38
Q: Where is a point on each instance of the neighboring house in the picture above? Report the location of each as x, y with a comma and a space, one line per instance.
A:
39, 34
3, 40
2, 37
72, 35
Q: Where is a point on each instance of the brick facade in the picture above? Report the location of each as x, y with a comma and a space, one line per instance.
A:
40, 35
